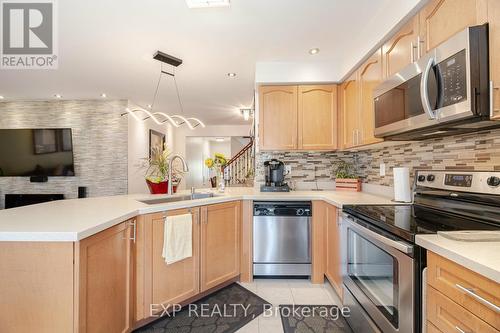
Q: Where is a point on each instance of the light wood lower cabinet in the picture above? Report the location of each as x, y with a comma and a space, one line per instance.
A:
464, 288
158, 284
333, 262
459, 300
216, 257
104, 280
220, 243
448, 316
36, 287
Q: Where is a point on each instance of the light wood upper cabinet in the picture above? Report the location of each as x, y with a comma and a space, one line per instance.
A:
333, 262
494, 34
356, 103
370, 76
441, 19
317, 113
401, 49
220, 243
105, 281
278, 117
349, 91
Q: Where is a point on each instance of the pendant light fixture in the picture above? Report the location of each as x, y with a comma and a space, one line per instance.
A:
160, 117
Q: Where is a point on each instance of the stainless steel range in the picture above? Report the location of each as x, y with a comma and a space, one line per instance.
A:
383, 266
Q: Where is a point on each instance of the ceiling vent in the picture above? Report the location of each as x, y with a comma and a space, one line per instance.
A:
207, 3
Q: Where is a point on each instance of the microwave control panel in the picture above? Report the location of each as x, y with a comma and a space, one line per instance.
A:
452, 77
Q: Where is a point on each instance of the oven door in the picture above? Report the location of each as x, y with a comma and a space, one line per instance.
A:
379, 273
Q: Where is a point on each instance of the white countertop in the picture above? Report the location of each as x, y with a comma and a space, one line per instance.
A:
75, 219
480, 257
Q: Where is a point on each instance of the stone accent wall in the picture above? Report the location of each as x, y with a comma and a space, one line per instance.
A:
99, 145
474, 151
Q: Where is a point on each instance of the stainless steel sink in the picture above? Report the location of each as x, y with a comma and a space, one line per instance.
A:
176, 198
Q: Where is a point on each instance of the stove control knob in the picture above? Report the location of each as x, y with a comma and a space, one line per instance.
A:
300, 212
421, 178
430, 178
493, 181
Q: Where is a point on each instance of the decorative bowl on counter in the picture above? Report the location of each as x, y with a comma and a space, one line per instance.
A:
161, 187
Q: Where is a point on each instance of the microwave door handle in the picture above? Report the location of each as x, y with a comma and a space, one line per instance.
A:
424, 94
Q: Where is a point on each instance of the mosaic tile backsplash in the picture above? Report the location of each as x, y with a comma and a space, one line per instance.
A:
475, 151
99, 145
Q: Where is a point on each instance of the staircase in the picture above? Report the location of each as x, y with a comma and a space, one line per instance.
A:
239, 170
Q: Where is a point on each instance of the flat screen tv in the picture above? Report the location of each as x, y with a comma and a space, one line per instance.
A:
36, 152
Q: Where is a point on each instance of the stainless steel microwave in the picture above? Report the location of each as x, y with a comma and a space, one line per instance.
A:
445, 92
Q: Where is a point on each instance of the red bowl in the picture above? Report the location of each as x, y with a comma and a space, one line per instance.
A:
160, 188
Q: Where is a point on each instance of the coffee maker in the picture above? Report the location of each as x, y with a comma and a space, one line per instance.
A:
274, 171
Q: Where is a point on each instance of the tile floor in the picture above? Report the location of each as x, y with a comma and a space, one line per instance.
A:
281, 291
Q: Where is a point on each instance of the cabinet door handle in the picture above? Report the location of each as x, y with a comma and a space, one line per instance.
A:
133, 224
419, 47
412, 50
460, 330
470, 292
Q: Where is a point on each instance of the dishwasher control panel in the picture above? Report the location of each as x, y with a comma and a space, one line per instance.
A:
271, 208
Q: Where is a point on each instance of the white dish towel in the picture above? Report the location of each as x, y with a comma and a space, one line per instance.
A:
177, 238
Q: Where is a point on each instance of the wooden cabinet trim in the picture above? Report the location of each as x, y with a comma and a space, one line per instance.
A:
447, 315
443, 275
232, 271
293, 118
324, 135
83, 281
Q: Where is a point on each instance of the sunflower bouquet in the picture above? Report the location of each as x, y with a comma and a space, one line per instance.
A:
217, 163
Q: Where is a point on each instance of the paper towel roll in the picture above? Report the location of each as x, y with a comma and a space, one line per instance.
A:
402, 188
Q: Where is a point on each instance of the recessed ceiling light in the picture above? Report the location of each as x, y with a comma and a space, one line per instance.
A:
314, 51
1, 97
103, 95
219, 139
246, 113
57, 96
231, 74
207, 3
149, 106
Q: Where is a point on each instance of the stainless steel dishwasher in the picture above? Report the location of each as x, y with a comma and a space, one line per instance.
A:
282, 238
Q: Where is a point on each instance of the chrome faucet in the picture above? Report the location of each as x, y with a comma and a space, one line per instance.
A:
170, 163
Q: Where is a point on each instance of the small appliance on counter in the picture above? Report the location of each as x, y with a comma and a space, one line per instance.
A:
274, 177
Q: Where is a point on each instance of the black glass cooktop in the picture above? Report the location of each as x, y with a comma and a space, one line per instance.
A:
406, 221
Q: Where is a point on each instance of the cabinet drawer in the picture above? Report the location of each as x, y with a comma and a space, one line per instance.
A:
469, 289
448, 316
432, 329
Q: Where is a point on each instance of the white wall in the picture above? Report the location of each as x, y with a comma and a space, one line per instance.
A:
138, 148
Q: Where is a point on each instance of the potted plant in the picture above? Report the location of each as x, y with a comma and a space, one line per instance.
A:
157, 171
217, 163
345, 179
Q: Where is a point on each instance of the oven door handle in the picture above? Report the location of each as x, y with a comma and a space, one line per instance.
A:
424, 94
398, 245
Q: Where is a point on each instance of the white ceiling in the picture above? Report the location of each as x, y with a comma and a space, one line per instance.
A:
107, 46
